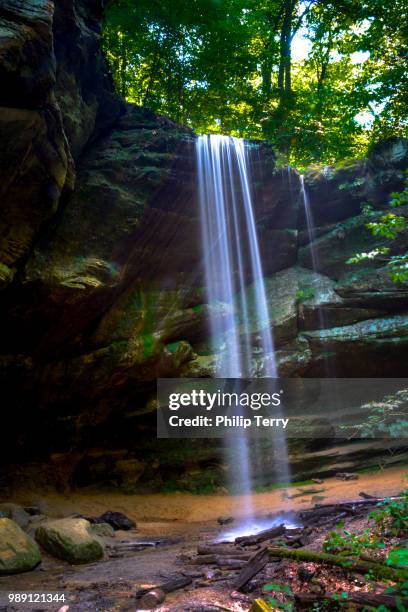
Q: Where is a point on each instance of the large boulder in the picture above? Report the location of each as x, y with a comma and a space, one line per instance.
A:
18, 551
70, 539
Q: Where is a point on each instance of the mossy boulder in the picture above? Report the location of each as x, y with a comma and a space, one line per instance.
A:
103, 530
18, 551
70, 539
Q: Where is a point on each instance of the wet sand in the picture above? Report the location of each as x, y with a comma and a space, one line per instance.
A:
155, 511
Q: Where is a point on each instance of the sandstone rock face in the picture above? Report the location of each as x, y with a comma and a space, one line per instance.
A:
70, 539
18, 552
101, 265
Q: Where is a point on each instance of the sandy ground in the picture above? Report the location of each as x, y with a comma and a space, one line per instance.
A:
184, 520
189, 508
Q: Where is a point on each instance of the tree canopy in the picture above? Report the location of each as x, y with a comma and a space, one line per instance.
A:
235, 67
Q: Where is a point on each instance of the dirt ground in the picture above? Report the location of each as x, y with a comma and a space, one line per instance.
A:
182, 521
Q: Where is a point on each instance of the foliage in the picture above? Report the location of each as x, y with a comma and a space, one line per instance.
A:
349, 543
388, 226
305, 293
228, 66
391, 516
388, 520
287, 597
385, 418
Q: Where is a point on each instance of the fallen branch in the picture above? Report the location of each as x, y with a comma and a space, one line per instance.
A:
330, 520
267, 534
360, 502
226, 562
226, 551
253, 567
347, 563
366, 495
366, 599
172, 584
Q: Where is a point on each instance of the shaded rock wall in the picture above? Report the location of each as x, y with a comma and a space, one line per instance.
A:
101, 264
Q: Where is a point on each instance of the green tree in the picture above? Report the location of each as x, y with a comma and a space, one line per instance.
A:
228, 66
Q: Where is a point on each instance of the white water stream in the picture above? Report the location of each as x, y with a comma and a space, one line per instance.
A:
233, 262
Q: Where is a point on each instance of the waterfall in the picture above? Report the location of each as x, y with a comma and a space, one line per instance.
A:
243, 336
311, 232
329, 370
232, 255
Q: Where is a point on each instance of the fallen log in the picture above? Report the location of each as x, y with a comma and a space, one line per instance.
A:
227, 564
257, 538
170, 585
366, 495
152, 599
330, 520
253, 567
220, 560
360, 502
204, 560
352, 564
366, 599
220, 549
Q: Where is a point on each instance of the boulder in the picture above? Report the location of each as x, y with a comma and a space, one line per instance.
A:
70, 539
16, 513
118, 520
103, 530
18, 551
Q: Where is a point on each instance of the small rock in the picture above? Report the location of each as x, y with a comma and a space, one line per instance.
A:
18, 552
103, 530
117, 520
16, 513
225, 520
346, 476
32, 510
317, 480
70, 539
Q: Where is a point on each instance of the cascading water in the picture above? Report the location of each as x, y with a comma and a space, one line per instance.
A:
311, 231
309, 223
242, 336
232, 254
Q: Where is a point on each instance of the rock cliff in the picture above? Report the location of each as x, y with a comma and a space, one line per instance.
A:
101, 267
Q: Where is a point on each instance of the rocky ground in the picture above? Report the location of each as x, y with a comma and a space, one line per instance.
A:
164, 542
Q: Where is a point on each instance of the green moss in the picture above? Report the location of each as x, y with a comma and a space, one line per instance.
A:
148, 345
